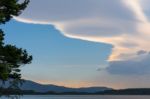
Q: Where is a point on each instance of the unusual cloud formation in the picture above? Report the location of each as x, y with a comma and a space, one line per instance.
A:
122, 23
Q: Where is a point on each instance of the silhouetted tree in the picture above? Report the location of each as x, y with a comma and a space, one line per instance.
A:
10, 8
11, 57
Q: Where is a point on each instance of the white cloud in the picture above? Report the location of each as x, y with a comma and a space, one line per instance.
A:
122, 23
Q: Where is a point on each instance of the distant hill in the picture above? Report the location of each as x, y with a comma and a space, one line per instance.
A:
130, 91
30, 85
33, 88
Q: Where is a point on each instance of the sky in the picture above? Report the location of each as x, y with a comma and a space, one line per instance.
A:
79, 43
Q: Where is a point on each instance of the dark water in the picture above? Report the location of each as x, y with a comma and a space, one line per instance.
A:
80, 97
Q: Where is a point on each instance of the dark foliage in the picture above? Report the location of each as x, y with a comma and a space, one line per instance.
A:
10, 8
134, 91
11, 57
138, 91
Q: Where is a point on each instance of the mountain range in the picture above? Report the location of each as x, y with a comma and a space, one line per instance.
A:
33, 88
31, 85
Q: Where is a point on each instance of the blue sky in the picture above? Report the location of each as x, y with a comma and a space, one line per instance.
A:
55, 56
80, 43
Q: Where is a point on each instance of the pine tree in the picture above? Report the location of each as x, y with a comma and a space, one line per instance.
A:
11, 57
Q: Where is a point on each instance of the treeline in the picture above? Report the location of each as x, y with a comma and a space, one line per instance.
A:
135, 91
139, 91
10, 91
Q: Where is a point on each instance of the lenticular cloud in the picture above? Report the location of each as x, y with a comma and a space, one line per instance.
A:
122, 23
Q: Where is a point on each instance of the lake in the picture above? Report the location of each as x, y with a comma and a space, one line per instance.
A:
81, 97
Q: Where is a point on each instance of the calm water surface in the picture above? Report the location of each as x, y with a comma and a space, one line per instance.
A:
81, 97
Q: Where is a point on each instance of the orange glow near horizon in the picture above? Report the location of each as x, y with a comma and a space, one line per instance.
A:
76, 84
71, 84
